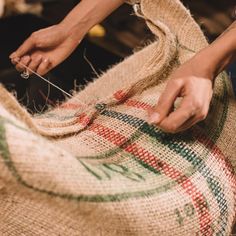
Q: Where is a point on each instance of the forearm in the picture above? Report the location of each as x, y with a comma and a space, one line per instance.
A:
216, 57
86, 14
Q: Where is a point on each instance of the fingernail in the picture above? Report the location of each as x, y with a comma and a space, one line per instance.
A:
16, 59
12, 55
154, 118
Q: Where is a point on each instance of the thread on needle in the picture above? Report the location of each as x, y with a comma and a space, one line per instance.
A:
47, 81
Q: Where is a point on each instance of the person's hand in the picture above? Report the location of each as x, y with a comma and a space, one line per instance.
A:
194, 85
47, 48
44, 49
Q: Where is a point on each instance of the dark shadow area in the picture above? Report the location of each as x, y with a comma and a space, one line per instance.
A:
73, 71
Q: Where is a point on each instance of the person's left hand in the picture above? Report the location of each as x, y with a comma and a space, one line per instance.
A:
45, 49
193, 83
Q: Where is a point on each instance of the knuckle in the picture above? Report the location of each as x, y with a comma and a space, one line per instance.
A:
36, 39
191, 82
177, 82
202, 115
38, 43
196, 105
34, 36
160, 102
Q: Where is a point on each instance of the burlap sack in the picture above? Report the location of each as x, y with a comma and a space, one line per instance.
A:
94, 166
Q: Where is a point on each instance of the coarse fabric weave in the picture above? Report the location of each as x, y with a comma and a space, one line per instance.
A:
94, 166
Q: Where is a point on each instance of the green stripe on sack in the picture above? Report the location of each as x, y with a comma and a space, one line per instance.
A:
92, 198
174, 145
145, 128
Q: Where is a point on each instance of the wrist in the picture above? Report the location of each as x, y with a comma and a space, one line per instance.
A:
86, 14
204, 64
75, 32
213, 59
217, 56
77, 23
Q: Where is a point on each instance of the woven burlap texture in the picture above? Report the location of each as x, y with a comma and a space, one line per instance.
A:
94, 166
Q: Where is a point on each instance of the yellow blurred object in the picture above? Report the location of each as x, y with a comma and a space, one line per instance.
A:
97, 31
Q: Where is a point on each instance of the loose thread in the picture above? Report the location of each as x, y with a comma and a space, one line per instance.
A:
47, 81
90, 64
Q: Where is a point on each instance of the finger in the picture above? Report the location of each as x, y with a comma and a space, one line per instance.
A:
166, 102
200, 116
15, 60
13, 56
188, 124
34, 64
177, 118
43, 67
25, 61
24, 48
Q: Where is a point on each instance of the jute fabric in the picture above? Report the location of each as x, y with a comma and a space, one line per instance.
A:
94, 166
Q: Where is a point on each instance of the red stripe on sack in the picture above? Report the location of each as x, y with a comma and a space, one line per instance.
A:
70, 106
150, 159
214, 149
83, 119
119, 95
137, 104
109, 134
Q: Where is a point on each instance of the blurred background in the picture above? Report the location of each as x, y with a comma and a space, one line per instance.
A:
105, 45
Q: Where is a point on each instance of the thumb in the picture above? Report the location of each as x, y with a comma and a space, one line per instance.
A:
165, 102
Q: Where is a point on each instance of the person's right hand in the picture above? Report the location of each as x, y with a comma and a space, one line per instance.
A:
45, 49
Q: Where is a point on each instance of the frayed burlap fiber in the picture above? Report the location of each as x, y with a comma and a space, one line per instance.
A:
94, 166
